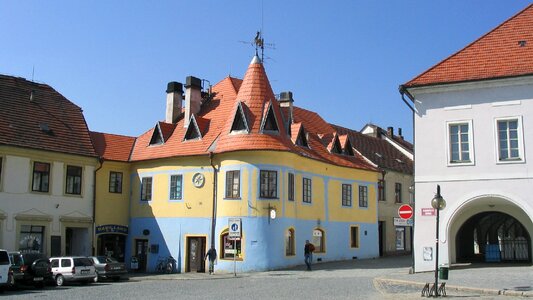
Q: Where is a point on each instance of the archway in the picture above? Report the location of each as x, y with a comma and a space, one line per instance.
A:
492, 237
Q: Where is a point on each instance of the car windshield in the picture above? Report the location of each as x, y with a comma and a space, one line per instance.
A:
16, 260
82, 262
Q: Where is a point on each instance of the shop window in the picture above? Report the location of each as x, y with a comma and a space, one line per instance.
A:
146, 189
319, 241
233, 184
269, 184
41, 177
230, 247
354, 237
289, 243
73, 182
115, 182
31, 238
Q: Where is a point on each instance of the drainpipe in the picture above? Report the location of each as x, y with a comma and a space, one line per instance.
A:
214, 214
403, 91
101, 162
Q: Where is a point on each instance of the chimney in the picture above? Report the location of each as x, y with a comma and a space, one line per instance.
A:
286, 100
400, 133
174, 99
390, 131
193, 98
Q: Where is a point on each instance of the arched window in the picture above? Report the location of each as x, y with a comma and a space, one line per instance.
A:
289, 242
319, 240
229, 246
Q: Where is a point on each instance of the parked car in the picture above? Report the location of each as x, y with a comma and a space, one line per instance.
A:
6, 274
72, 269
30, 268
108, 268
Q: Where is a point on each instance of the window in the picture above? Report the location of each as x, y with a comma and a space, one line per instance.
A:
381, 190
31, 238
228, 246
233, 184
509, 140
176, 184
66, 263
354, 237
460, 143
289, 243
146, 189
363, 196
346, 195
73, 185
319, 241
400, 238
398, 192
270, 123
269, 184
41, 177
115, 182
307, 190
291, 187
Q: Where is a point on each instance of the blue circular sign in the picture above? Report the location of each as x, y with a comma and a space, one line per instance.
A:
234, 227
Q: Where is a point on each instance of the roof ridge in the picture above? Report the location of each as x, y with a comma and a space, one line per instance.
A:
408, 84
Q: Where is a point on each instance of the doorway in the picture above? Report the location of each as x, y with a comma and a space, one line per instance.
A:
381, 229
141, 250
76, 241
195, 254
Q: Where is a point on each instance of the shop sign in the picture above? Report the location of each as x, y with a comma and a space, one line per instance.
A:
403, 222
111, 228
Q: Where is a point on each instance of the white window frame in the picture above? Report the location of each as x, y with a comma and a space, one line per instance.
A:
471, 150
521, 152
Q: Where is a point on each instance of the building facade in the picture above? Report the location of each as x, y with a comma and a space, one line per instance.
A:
472, 114
236, 154
47, 166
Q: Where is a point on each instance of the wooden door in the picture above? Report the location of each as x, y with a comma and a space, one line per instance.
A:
195, 254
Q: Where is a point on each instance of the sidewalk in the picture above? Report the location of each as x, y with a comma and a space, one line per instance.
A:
481, 278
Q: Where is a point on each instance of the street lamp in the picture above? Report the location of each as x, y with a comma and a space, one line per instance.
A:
438, 203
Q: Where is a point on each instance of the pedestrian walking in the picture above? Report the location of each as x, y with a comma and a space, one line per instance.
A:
308, 254
212, 256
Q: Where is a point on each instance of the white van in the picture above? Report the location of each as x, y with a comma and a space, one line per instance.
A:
72, 269
6, 275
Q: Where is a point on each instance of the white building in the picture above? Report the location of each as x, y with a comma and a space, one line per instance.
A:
473, 122
47, 166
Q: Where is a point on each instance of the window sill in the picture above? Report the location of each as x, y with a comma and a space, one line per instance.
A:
510, 161
231, 259
232, 198
267, 199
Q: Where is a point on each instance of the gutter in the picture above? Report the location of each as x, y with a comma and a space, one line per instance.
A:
101, 162
214, 214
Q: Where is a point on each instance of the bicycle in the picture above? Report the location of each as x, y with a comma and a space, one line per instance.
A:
166, 265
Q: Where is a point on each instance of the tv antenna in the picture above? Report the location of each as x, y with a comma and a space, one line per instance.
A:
259, 44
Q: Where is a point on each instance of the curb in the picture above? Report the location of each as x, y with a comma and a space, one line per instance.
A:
484, 291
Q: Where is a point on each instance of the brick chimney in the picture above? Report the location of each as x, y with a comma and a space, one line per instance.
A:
174, 99
390, 131
193, 98
400, 133
286, 100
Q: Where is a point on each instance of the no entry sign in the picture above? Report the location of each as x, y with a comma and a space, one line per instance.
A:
405, 212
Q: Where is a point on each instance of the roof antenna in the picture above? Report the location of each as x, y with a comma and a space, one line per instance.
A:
32, 72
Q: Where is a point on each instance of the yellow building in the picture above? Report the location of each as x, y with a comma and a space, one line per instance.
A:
236, 161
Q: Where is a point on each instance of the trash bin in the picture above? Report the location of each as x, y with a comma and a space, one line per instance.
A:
443, 272
134, 265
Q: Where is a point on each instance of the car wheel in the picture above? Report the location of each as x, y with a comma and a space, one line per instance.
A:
60, 280
11, 281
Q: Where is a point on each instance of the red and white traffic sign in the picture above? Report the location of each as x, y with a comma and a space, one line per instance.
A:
405, 212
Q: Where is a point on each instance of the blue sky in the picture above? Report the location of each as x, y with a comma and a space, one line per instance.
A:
342, 59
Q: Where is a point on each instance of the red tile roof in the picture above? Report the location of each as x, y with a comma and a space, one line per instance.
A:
111, 146
377, 150
217, 115
497, 54
24, 122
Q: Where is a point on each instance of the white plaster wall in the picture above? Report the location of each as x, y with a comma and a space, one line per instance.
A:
16, 197
481, 103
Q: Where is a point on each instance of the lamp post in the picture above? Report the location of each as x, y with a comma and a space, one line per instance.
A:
437, 203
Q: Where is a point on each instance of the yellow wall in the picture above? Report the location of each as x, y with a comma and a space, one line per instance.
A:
197, 202
112, 208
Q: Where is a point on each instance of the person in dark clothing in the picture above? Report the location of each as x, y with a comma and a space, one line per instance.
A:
212, 256
308, 254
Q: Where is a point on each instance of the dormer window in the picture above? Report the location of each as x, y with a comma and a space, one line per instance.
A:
348, 149
301, 136
240, 123
157, 136
270, 124
336, 146
193, 131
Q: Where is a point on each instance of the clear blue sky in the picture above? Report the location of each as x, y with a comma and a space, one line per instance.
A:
342, 59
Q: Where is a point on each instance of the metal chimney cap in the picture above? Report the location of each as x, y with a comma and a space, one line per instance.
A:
286, 96
174, 86
192, 81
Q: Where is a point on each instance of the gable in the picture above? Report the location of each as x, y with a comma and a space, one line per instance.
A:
270, 123
335, 146
157, 136
193, 131
240, 123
